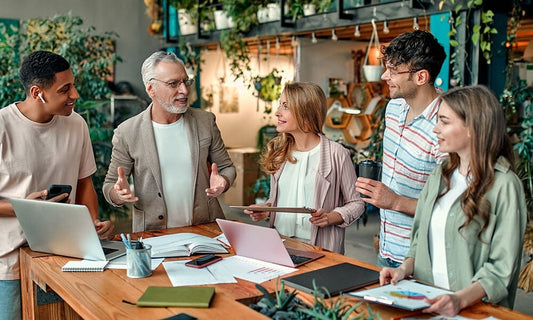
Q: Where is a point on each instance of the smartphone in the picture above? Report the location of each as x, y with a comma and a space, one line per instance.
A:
203, 261
57, 189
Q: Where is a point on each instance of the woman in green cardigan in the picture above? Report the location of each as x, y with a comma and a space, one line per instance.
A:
471, 216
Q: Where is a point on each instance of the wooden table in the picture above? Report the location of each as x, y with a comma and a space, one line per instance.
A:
100, 295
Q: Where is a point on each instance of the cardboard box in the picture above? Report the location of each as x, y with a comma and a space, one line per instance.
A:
245, 162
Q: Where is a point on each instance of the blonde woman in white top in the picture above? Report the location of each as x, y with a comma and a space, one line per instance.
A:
309, 170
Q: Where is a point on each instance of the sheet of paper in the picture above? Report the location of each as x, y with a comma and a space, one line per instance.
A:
181, 275
404, 294
253, 270
120, 263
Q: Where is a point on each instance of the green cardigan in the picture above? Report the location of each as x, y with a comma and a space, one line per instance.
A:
495, 260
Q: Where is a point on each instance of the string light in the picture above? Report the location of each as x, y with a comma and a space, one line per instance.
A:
386, 27
313, 38
415, 23
357, 33
333, 35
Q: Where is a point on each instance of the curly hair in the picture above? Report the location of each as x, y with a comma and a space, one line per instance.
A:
481, 112
418, 50
308, 105
39, 69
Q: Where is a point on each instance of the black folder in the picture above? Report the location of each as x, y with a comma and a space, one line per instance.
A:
344, 277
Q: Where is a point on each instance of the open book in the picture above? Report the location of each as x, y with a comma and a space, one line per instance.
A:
183, 245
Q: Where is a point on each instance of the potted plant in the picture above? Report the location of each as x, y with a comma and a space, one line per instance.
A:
261, 189
300, 8
286, 305
243, 14
268, 87
187, 15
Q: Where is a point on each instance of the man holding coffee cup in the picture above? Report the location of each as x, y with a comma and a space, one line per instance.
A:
410, 149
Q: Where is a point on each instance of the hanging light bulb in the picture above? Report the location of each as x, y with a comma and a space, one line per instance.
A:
313, 38
386, 27
333, 35
415, 23
357, 33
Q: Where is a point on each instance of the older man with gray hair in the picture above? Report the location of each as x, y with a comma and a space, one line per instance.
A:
175, 153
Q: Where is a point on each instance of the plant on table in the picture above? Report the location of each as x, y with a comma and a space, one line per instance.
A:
286, 305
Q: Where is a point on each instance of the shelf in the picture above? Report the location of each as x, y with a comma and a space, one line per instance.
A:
349, 17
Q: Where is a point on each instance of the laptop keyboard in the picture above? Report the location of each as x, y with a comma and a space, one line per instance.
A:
108, 250
298, 259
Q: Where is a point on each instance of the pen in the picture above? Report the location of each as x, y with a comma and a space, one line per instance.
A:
129, 239
126, 243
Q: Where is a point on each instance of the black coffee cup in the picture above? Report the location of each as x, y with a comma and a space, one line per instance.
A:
369, 169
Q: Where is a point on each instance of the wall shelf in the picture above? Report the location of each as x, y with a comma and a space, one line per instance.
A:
339, 20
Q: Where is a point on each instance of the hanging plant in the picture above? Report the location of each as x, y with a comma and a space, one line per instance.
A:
479, 34
268, 87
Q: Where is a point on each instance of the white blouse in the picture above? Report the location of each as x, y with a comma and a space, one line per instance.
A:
297, 189
437, 241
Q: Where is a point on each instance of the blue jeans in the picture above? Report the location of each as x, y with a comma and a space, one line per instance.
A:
10, 300
387, 262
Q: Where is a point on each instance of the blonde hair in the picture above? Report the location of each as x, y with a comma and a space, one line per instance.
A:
308, 105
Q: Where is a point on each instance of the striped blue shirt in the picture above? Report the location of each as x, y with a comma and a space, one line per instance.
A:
410, 152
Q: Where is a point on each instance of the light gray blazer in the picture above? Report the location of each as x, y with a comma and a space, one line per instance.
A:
334, 191
134, 149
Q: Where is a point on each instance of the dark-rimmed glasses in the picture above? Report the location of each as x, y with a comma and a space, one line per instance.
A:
176, 83
394, 73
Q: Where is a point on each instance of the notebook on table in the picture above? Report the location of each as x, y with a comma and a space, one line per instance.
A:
264, 244
63, 229
196, 297
343, 277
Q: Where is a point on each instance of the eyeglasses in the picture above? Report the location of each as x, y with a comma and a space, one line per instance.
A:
176, 83
394, 73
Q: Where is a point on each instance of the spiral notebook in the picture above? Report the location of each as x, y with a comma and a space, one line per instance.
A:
84, 266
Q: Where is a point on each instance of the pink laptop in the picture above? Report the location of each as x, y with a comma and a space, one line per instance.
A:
263, 243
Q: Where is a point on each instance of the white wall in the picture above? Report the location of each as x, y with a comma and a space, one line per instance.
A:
125, 17
239, 129
327, 59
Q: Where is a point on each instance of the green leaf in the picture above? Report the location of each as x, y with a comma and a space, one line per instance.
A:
475, 37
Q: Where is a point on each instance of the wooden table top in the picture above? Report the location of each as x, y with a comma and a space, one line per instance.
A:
100, 295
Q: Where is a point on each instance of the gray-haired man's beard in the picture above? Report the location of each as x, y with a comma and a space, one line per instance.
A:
175, 110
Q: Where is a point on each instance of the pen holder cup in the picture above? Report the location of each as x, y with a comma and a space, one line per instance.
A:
139, 262
369, 169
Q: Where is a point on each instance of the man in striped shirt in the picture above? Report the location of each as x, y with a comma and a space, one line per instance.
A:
410, 149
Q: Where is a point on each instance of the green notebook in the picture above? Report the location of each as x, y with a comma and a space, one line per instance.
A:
198, 297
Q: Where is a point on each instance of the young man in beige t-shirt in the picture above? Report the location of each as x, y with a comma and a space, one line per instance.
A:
42, 142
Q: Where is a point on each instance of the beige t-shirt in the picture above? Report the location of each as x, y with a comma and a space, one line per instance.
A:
33, 156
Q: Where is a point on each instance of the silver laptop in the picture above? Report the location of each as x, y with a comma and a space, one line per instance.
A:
63, 229
263, 243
